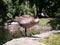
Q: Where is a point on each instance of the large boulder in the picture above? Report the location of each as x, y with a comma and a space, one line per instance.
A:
23, 41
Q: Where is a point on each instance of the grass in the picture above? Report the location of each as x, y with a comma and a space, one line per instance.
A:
52, 39
53, 22
32, 32
49, 21
44, 21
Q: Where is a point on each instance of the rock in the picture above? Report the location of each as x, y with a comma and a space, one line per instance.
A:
41, 28
23, 41
14, 23
42, 35
14, 29
45, 34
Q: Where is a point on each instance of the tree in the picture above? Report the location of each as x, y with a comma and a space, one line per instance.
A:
11, 8
26, 8
2, 12
52, 7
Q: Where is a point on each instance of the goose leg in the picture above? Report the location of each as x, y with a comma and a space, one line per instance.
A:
25, 31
